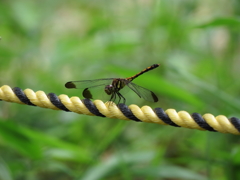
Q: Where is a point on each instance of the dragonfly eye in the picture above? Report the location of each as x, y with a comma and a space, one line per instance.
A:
109, 89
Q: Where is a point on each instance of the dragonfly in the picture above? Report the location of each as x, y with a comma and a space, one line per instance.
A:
113, 86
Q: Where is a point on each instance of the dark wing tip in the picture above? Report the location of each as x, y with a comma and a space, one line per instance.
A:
70, 85
155, 98
87, 94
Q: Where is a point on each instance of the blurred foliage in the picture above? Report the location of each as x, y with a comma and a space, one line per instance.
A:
45, 44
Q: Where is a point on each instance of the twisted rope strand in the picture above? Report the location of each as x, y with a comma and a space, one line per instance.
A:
133, 112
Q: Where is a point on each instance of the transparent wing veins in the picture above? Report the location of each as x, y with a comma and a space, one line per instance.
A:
142, 92
92, 83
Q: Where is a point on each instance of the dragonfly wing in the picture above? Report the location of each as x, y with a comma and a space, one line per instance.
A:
92, 89
88, 83
142, 92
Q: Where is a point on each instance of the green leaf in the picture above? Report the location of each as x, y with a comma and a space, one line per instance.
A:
14, 136
225, 21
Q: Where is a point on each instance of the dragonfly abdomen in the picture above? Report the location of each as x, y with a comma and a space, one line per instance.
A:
143, 71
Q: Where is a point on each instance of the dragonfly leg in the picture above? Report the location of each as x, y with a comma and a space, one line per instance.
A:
121, 97
113, 97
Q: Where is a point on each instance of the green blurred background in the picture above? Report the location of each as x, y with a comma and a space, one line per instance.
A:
47, 43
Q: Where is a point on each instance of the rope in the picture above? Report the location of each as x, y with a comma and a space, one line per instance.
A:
133, 112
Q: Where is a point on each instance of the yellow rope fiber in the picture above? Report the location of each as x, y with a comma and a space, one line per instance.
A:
145, 114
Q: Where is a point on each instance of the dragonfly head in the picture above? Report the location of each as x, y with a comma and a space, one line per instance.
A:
109, 89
